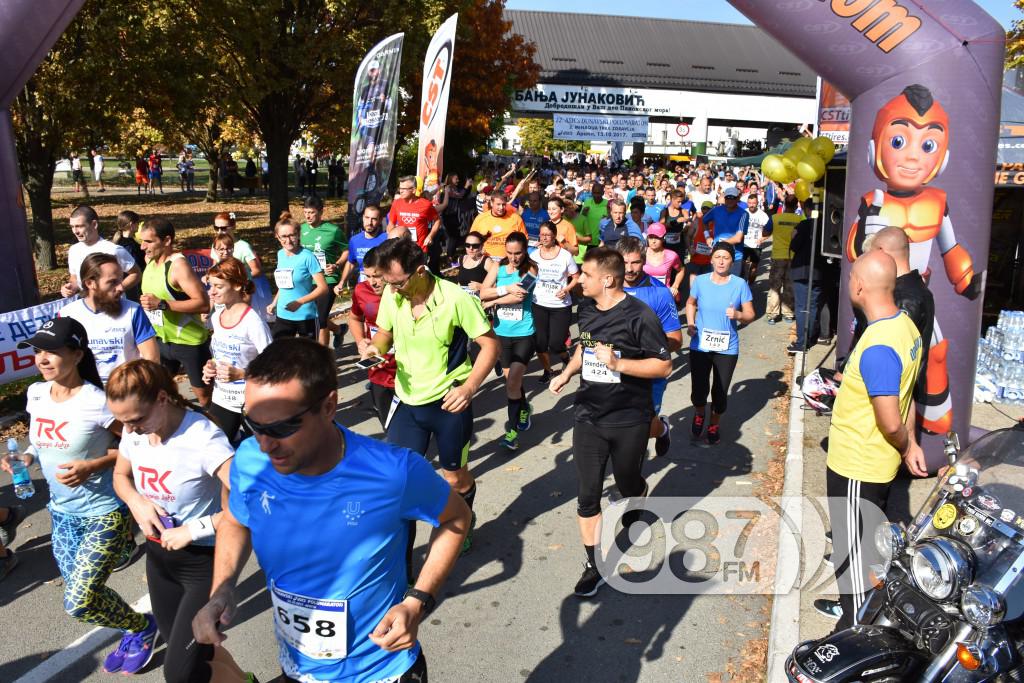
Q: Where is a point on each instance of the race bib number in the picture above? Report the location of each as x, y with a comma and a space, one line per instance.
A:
156, 317
714, 340
549, 288
596, 371
471, 291
412, 233
752, 238
321, 258
283, 278
703, 249
316, 628
672, 238
512, 314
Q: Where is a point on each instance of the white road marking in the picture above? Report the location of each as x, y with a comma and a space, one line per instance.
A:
78, 649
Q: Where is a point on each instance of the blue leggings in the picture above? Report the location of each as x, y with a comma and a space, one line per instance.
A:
87, 548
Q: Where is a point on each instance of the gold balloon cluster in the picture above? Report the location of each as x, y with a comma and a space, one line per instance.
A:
803, 162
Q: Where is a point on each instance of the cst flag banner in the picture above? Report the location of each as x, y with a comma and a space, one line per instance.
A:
19, 326
374, 125
437, 78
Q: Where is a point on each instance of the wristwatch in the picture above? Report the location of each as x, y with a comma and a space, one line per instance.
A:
423, 596
162, 305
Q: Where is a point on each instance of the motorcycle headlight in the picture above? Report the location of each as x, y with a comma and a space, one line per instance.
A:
890, 540
941, 567
982, 607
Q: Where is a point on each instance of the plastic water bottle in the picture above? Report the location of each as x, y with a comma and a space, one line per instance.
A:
23, 486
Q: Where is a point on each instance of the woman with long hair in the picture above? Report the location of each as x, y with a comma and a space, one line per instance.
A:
91, 528
513, 323
239, 335
474, 266
557, 274
172, 465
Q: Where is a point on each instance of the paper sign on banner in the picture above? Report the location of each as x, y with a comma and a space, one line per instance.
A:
611, 128
19, 326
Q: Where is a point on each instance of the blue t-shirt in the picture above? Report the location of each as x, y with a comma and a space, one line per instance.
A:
338, 536
360, 244
294, 278
611, 233
656, 295
712, 300
532, 220
727, 224
513, 320
652, 214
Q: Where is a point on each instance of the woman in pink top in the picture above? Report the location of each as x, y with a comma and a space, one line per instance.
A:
663, 264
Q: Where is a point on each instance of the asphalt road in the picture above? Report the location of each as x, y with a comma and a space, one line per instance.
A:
507, 612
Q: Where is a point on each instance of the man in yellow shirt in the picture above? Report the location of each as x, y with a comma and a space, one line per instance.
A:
496, 223
872, 428
780, 287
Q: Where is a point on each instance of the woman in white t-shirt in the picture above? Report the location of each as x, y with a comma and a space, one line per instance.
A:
557, 274
239, 335
72, 434
172, 466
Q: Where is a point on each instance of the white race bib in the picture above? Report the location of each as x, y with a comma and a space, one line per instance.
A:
596, 371
510, 313
156, 317
548, 287
703, 249
316, 628
283, 278
672, 237
321, 258
469, 290
714, 340
752, 238
412, 232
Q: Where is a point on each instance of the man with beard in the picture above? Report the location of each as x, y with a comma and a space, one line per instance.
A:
118, 329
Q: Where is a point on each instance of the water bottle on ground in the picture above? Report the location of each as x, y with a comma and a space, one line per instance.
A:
23, 486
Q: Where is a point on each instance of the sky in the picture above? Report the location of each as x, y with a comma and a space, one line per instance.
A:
706, 10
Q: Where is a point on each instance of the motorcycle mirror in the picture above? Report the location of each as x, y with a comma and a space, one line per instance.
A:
952, 447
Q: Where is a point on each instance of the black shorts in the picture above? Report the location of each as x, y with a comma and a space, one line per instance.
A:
323, 306
412, 426
283, 329
516, 350
752, 255
174, 357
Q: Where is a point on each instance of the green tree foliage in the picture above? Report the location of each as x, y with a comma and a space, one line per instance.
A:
537, 136
1015, 40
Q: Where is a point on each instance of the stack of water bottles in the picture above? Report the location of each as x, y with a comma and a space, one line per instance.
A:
1000, 370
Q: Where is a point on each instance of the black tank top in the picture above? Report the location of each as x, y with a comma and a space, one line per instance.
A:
675, 232
475, 274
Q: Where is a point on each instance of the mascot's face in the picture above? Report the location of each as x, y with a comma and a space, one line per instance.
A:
910, 140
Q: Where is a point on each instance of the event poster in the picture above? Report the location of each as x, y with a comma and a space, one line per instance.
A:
437, 78
374, 126
19, 326
609, 128
833, 114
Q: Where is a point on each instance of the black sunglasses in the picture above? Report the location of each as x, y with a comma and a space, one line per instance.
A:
281, 429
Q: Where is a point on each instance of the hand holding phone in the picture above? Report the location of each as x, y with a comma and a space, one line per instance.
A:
367, 363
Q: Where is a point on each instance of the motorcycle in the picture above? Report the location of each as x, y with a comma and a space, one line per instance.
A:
947, 600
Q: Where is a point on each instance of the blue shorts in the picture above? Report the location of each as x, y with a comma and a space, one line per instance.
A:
411, 427
658, 387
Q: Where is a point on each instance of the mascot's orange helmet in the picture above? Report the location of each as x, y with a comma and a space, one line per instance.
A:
916, 105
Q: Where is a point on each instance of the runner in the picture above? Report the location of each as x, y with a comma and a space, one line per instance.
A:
329, 244
475, 266
239, 335
430, 323
224, 224
728, 223
622, 348
118, 330
759, 224
618, 225
676, 218
718, 301
91, 527
700, 245
637, 282
557, 275
85, 224
361, 243
300, 282
496, 223
338, 616
565, 231
172, 464
124, 237
416, 214
513, 324
174, 298
533, 214
362, 320
663, 264
592, 214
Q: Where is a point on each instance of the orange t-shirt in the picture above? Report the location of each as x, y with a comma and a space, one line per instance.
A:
700, 244
565, 232
495, 229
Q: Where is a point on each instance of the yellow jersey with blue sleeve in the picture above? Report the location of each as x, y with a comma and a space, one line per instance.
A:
885, 362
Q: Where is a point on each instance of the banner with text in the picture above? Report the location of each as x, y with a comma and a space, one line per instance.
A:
374, 126
437, 80
833, 114
19, 326
609, 128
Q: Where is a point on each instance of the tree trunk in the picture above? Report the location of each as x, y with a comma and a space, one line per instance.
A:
278, 143
37, 167
213, 159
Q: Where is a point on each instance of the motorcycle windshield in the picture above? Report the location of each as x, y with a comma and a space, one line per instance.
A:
998, 459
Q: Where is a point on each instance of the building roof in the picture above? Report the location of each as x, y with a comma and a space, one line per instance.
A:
637, 52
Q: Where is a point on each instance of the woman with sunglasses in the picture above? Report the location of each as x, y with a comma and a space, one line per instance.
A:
172, 465
474, 266
91, 527
300, 283
557, 274
239, 335
663, 264
224, 225
513, 324
717, 304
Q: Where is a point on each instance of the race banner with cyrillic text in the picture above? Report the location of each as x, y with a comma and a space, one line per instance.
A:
19, 326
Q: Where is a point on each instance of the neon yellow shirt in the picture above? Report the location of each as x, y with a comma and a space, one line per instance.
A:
782, 234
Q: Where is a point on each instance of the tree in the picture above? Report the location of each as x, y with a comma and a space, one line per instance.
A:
73, 101
537, 136
1015, 40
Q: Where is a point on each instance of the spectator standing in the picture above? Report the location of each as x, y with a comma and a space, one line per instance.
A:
97, 169
780, 284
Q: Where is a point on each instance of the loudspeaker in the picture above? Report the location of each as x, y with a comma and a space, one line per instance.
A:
832, 212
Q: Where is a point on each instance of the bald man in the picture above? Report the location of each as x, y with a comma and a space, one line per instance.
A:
398, 231
872, 426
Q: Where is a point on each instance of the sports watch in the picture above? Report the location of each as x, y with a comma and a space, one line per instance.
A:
423, 596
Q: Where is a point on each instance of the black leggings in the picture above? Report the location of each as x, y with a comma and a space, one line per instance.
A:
551, 327
701, 365
179, 585
592, 447
382, 397
229, 421
417, 673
